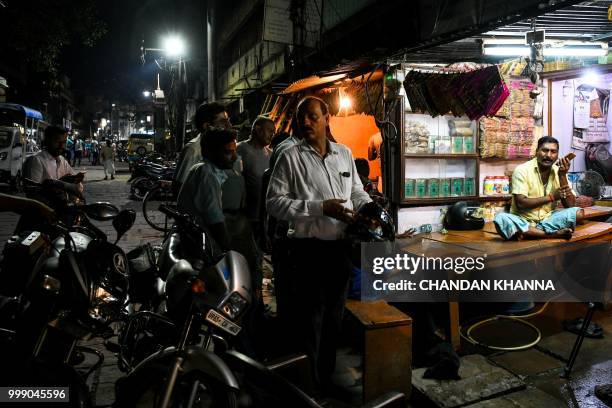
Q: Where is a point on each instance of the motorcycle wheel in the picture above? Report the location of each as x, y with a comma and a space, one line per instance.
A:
140, 186
150, 208
205, 391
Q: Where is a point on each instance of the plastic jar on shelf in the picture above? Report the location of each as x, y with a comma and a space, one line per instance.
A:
489, 185
505, 185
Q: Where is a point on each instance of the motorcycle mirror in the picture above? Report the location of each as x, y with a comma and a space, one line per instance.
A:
101, 211
123, 222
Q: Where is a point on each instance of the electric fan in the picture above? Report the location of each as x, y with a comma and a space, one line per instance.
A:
591, 184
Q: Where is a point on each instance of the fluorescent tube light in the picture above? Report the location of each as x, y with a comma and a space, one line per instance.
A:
512, 51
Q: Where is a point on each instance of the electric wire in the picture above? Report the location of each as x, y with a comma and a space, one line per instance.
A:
517, 319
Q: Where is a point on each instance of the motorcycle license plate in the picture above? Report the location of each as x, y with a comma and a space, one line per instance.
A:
221, 322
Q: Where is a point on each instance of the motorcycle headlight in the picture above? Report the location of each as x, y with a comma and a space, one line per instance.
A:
3, 156
50, 284
234, 305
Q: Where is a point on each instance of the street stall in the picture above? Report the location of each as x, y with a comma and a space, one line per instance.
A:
355, 102
448, 131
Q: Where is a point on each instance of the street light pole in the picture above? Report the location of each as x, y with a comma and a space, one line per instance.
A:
174, 47
180, 108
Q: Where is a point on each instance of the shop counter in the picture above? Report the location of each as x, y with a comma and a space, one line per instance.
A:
500, 253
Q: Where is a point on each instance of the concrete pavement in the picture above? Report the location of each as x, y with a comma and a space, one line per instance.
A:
97, 189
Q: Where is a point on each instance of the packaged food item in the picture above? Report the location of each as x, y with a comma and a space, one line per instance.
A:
416, 138
433, 187
408, 188
457, 187
468, 145
445, 187
457, 144
443, 145
421, 188
468, 186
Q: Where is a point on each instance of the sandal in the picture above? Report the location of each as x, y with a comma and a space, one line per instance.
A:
594, 331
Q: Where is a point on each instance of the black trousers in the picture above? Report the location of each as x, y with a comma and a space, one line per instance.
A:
316, 279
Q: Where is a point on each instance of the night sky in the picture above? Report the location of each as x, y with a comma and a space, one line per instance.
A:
113, 67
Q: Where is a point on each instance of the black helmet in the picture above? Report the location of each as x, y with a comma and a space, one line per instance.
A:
372, 224
461, 217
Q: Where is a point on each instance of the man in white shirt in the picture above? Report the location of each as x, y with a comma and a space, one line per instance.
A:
52, 170
49, 164
315, 187
208, 114
107, 154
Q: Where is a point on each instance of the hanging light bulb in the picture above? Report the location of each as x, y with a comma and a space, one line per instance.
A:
345, 102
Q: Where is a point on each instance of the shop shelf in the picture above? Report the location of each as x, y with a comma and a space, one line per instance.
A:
441, 156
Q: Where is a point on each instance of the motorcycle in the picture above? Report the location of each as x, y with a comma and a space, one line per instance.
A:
74, 286
207, 292
147, 172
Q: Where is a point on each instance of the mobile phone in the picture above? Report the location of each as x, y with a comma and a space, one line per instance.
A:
570, 156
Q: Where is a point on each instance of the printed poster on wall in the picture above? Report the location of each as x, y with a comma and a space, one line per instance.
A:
590, 127
581, 109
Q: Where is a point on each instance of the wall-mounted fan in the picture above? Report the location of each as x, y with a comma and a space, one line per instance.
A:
591, 184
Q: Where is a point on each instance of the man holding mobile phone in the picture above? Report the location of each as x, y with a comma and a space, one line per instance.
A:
537, 187
51, 167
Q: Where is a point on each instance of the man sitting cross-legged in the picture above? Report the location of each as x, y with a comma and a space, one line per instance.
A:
536, 187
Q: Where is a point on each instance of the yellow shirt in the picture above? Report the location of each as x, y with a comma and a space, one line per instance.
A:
526, 180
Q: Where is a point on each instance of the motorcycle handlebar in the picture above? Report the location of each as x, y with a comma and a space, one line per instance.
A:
183, 219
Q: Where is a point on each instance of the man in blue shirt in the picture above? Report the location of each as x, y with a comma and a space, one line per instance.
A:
200, 195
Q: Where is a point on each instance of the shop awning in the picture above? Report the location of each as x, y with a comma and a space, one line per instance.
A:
312, 82
316, 82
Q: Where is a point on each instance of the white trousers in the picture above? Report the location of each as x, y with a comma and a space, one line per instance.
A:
109, 168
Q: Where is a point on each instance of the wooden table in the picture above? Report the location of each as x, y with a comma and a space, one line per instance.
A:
499, 253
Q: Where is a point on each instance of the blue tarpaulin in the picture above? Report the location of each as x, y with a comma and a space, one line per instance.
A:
29, 112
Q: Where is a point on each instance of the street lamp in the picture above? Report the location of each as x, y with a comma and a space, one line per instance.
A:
174, 46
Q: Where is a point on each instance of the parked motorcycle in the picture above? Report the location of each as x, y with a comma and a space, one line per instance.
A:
146, 174
66, 283
206, 294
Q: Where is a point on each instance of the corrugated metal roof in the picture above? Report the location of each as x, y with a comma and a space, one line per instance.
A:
586, 21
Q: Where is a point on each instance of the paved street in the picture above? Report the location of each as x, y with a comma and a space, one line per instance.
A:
97, 189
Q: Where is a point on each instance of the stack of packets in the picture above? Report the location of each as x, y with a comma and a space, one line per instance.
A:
510, 134
416, 138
